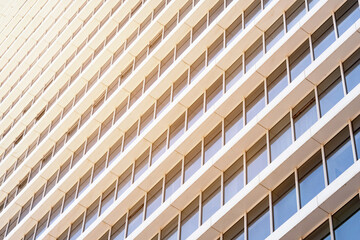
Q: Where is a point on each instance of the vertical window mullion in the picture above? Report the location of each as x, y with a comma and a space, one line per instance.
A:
324, 165
352, 139
297, 190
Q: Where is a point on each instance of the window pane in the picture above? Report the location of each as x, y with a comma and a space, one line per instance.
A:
141, 165
177, 129
352, 71
236, 232
346, 15
253, 54
91, 213
233, 179
323, 37
274, 33
135, 216
280, 137
259, 221
76, 227
277, 81
153, 200
299, 60
108, 198
190, 219
252, 11
330, 91
312, 3
346, 221
214, 92
124, 181
213, 143
233, 30
192, 162
234, 122
322, 232
195, 111
118, 229
173, 180
256, 159
304, 114
356, 129
309, 173
295, 13
170, 232
255, 102
284, 201
211, 200
158, 147
233, 73
338, 154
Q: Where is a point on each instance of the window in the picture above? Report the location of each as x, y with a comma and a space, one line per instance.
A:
346, 15
55, 211
276, 81
299, 60
154, 198
172, 180
107, 198
280, 137
234, 122
212, 143
215, 49
330, 91
322, 232
255, 102
195, 111
346, 220
211, 200
158, 147
199, 28
356, 129
118, 229
312, 3
338, 154
189, 219
91, 213
233, 179
115, 150
163, 102
124, 181
233, 30
192, 162
197, 67
214, 92
256, 159
141, 164
41, 226
295, 13
76, 228
135, 216
323, 37
259, 221
253, 54
233, 73
84, 181
309, 173
130, 134
146, 119
304, 114
352, 70
69, 197
284, 201
99, 167
170, 231
252, 11
180, 84
235, 232
177, 129
274, 33
216, 10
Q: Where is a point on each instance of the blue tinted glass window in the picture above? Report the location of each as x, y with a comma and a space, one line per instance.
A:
233, 30
352, 71
338, 154
233, 73
277, 81
280, 137
256, 158
323, 37
295, 13
299, 60
118, 230
252, 11
211, 200
235, 232
312, 3
330, 91
304, 115
213, 143
311, 172
253, 54
233, 122
322, 232
170, 231
135, 217
173, 181
274, 33
255, 102
192, 162
284, 201
233, 179
346, 15
189, 219
259, 221
154, 198
141, 165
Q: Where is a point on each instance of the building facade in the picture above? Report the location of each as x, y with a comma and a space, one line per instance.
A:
180, 119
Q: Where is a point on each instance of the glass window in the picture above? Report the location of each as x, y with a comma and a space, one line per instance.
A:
234, 122
192, 162
346, 15
151, 78
115, 151
252, 11
330, 91
233, 179
280, 137
233, 73
158, 147
312, 3
284, 201
235, 232
199, 28
189, 219
253, 54
356, 129
309, 173
216, 10
76, 228
259, 221
295, 13
146, 118
276, 81
177, 129
163, 102
274, 33
28, 236
41, 226
170, 232
212, 143
180, 84
118, 229
167, 61
256, 159
233, 30
254, 103
130, 134
346, 220
124, 181
352, 71
322, 232
84, 182
214, 92
215, 49
323, 37
91, 213
135, 217
25, 209
197, 67
304, 114
107, 198
195, 111
172, 180
141, 164
69, 197
184, 42
338, 154
55, 211
136, 94
211, 200
99, 167
299, 60
154, 198
38, 196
